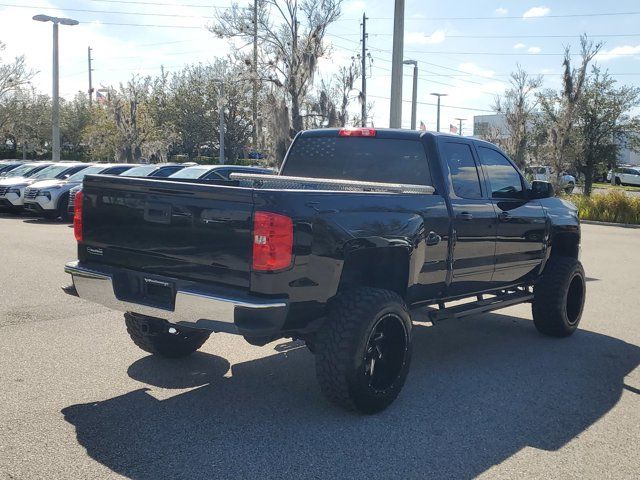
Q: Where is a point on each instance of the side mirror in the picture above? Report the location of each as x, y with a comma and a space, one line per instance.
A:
540, 189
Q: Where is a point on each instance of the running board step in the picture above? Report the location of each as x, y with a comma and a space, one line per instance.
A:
480, 306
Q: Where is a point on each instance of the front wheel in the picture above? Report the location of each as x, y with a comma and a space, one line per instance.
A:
158, 337
569, 188
363, 350
558, 298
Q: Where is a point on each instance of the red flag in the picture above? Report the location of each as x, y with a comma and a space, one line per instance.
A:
453, 128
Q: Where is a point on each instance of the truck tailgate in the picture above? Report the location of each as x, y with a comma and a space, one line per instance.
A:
199, 232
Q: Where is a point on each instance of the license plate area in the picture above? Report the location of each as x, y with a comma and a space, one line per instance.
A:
158, 292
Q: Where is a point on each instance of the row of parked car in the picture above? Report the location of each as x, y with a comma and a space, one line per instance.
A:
48, 189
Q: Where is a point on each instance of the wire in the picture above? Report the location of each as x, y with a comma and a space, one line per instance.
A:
421, 61
380, 34
111, 12
435, 104
506, 17
129, 2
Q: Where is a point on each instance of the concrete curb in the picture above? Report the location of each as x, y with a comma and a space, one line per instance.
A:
607, 224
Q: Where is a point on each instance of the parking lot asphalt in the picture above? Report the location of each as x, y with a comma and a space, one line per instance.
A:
486, 396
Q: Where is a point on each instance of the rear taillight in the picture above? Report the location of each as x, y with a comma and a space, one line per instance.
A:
272, 241
77, 216
357, 132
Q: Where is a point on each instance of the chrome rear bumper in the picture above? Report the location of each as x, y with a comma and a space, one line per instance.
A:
193, 307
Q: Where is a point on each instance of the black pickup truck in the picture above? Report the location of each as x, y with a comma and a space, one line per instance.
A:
360, 228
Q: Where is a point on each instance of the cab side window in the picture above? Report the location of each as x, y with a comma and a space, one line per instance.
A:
504, 179
116, 170
214, 175
464, 173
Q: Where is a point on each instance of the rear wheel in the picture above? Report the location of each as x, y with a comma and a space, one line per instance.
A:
569, 188
558, 298
63, 206
363, 350
159, 337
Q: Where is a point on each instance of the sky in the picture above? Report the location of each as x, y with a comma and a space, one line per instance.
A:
466, 52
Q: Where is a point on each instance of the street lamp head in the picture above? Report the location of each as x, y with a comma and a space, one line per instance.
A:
68, 21
439, 94
43, 18
47, 18
410, 62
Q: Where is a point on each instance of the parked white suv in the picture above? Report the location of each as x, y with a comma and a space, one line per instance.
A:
547, 174
50, 198
12, 185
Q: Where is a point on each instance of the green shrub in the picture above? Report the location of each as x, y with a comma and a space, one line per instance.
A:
202, 160
179, 158
614, 206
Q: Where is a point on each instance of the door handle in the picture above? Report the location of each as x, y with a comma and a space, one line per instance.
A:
432, 239
504, 216
466, 216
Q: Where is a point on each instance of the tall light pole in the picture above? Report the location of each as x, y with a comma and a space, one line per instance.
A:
414, 97
364, 70
55, 111
438, 117
221, 127
395, 114
460, 120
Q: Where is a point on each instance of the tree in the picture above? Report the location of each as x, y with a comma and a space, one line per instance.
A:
29, 126
518, 105
559, 109
189, 103
75, 117
331, 108
124, 128
13, 75
101, 135
291, 38
138, 135
604, 122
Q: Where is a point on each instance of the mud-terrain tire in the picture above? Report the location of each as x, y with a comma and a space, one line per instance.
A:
152, 335
558, 297
365, 328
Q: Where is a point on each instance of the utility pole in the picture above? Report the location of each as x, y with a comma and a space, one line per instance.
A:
460, 120
90, 82
254, 99
414, 96
438, 115
364, 70
395, 114
55, 110
221, 104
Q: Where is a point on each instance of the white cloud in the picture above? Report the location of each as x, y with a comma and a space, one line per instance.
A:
534, 50
355, 6
118, 52
621, 51
501, 11
519, 46
536, 12
474, 69
419, 38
